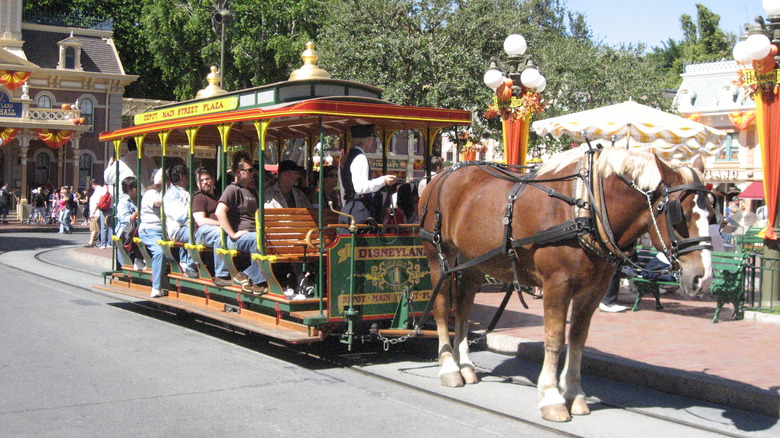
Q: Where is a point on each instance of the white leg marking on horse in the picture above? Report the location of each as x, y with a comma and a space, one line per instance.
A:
449, 366
551, 397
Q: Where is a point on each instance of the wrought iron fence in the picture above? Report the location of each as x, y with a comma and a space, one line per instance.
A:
75, 19
761, 268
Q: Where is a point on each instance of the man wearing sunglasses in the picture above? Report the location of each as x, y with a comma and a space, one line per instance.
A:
236, 215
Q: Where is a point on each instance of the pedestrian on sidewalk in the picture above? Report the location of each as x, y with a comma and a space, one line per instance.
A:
38, 214
6, 198
64, 206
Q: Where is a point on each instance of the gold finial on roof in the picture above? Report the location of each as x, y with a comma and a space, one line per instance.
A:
309, 69
212, 89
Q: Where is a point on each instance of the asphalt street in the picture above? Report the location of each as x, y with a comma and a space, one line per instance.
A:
78, 362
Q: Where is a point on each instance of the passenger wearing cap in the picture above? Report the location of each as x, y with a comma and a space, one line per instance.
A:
361, 199
284, 193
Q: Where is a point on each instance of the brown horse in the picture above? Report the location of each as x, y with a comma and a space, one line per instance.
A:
463, 214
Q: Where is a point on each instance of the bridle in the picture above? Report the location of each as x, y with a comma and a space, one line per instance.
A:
672, 209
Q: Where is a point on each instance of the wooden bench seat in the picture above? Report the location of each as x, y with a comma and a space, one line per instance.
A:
286, 230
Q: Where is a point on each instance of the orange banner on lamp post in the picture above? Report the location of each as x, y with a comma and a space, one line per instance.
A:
768, 123
516, 139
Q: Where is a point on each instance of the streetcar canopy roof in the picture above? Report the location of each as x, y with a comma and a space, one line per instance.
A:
292, 109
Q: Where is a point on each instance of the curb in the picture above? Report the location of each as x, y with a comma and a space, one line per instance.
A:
698, 386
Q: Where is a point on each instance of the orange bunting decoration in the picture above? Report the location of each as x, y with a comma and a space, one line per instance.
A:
694, 117
54, 138
7, 134
742, 120
13, 79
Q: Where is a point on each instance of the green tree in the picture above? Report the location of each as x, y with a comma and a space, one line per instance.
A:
263, 42
703, 41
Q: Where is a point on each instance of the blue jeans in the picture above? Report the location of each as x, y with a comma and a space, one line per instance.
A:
209, 235
105, 230
65, 221
248, 243
150, 237
183, 235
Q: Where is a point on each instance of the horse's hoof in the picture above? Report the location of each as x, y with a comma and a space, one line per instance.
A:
469, 375
557, 413
579, 406
453, 380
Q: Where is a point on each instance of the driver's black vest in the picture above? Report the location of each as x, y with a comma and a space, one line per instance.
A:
346, 176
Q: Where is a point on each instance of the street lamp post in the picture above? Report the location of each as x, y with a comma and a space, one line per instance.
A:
517, 84
757, 56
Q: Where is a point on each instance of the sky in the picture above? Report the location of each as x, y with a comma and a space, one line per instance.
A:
654, 21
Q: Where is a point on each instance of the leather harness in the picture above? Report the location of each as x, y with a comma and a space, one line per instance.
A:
590, 224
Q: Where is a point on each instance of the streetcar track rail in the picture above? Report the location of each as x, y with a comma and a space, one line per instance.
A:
341, 359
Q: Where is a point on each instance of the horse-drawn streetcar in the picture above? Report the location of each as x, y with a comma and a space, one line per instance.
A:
565, 228
354, 280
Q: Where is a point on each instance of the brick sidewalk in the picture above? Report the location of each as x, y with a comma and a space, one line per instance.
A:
681, 336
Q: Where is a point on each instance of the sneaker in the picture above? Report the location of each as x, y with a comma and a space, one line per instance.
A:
191, 273
139, 265
157, 293
257, 289
242, 279
223, 282
88, 245
612, 308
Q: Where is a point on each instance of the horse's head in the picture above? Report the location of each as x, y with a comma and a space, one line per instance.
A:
682, 216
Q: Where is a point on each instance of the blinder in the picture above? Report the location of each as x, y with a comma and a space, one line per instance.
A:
674, 212
675, 218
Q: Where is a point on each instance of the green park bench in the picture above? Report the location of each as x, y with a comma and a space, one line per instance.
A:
728, 281
750, 242
644, 286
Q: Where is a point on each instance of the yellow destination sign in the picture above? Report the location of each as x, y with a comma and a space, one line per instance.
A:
381, 298
188, 110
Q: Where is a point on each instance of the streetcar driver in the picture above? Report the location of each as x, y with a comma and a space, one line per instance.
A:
361, 199
236, 214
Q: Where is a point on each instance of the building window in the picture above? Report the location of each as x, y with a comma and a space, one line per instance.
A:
44, 102
42, 169
70, 58
730, 151
85, 170
87, 108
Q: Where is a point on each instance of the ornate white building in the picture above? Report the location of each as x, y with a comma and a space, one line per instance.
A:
60, 86
709, 94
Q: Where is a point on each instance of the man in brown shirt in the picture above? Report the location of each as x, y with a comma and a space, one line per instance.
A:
207, 231
236, 215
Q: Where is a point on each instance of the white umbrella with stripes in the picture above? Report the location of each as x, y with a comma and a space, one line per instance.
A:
637, 126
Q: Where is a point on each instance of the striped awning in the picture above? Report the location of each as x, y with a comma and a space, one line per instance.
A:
754, 191
637, 126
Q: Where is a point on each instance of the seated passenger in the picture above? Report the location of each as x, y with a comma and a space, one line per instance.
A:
330, 191
207, 231
236, 214
126, 214
150, 231
285, 193
177, 215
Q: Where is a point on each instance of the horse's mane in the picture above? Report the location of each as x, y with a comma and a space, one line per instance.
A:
638, 166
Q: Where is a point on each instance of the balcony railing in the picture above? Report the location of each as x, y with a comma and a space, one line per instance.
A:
75, 19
